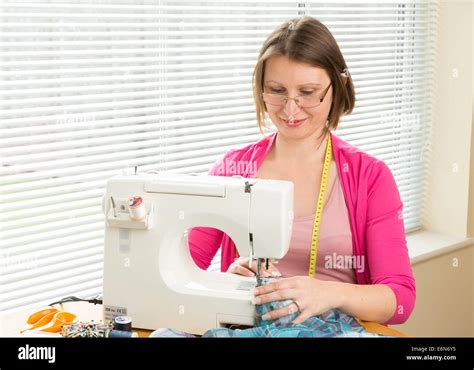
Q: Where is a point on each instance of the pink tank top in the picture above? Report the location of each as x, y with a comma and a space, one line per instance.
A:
335, 260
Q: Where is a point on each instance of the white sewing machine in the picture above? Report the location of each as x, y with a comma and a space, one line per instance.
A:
149, 273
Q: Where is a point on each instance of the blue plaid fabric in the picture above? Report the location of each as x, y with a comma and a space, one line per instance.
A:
333, 323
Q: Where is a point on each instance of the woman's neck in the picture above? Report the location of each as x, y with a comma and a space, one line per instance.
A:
295, 152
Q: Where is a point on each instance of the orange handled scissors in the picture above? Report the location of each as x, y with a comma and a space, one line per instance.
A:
49, 320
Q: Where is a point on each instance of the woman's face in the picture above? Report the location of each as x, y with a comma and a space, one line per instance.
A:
284, 76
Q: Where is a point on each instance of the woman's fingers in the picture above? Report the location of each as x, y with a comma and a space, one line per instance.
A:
241, 267
302, 317
278, 313
240, 270
272, 270
278, 295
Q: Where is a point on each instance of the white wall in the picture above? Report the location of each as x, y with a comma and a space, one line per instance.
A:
445, 292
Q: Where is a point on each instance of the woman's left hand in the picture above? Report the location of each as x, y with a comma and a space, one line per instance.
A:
310, 296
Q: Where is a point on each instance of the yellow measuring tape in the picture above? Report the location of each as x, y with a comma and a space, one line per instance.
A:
319, 209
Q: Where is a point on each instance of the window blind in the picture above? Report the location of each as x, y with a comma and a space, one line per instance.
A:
92, 88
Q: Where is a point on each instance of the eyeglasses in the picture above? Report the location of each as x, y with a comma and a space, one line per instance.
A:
303, 101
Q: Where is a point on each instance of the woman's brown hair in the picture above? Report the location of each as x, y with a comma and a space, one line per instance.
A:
307, 40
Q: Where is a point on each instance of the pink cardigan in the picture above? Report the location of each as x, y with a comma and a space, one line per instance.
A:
375, 213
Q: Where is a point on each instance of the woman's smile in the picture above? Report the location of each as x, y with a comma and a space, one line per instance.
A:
294, 123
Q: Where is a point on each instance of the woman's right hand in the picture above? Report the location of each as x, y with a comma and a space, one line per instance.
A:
241, 267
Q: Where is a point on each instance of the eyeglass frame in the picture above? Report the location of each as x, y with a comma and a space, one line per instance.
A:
286, 98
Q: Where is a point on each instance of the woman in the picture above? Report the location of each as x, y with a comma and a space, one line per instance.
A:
361, 260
